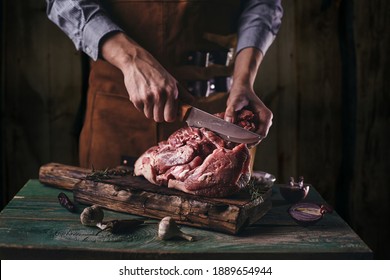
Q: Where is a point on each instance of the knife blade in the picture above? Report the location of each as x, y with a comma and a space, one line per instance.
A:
228, 131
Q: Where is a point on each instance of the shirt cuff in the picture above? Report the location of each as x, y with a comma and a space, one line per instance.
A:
255, 38
96, 28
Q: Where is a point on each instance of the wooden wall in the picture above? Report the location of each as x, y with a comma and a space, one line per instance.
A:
325, 78
41, 91
301, 81
369, 191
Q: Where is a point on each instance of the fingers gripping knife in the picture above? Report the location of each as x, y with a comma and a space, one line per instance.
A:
228, 131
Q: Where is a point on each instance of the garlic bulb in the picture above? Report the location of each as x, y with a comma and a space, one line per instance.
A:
92, 216
168, 229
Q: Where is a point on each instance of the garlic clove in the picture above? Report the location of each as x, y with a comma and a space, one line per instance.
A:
168, 229
92, 216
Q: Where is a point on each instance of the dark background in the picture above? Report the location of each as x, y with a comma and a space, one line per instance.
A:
326, 79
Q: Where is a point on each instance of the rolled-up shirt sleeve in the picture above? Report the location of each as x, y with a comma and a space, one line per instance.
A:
258, 24
85, 22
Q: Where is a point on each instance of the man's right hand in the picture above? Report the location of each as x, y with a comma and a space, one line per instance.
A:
151, 88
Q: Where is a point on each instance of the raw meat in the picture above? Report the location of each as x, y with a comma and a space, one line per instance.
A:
198, 161
245, 118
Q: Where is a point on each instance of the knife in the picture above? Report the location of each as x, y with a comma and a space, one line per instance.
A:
226, 130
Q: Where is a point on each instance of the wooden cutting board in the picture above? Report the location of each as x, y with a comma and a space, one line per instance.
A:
135, 195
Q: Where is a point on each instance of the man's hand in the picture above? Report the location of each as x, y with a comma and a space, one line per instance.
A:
242, 94
151, 88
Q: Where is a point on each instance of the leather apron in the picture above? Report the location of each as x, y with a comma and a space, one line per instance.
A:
169, 30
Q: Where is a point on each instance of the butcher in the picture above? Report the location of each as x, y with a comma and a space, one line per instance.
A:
148, 57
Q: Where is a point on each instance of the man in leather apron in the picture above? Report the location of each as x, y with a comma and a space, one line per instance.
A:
137, 85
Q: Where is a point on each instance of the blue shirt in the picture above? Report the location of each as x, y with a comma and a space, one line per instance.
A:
86, 23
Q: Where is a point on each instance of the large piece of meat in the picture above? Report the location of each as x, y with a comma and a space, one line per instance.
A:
197, 161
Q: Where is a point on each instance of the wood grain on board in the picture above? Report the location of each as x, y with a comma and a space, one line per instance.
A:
135, 195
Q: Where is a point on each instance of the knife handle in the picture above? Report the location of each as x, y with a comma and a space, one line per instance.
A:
184, 95
184, 110
185, 99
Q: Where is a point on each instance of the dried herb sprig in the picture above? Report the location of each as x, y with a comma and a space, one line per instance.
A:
255, 188
100, 175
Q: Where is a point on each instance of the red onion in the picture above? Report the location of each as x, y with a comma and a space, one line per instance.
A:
308, 213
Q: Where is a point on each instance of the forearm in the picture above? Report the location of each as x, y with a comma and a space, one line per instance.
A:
247, 64
259, 22
119, 50
242, 94
151, 88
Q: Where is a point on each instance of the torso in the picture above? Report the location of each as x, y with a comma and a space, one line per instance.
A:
169, 30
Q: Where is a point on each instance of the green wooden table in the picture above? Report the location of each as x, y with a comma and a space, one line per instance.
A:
34, 226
